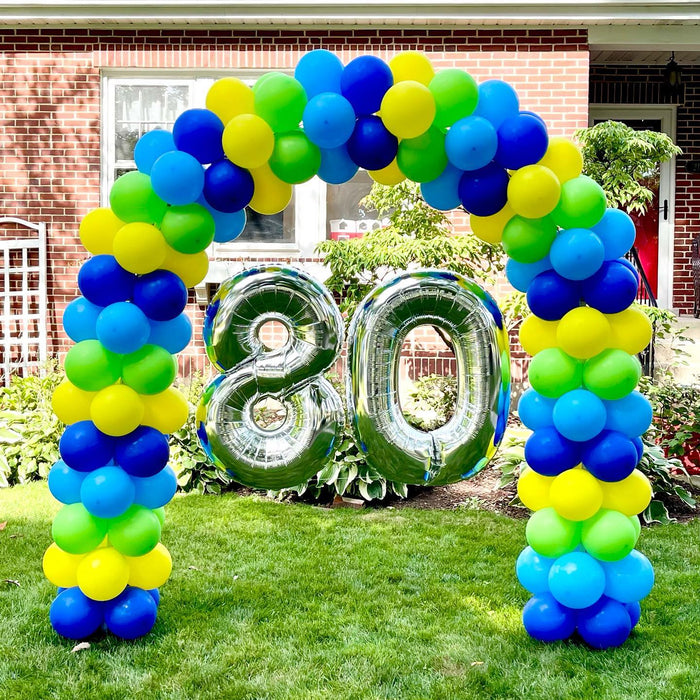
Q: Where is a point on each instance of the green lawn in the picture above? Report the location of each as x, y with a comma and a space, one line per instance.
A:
269, 600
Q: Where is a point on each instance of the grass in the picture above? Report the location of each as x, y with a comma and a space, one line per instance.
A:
269, 600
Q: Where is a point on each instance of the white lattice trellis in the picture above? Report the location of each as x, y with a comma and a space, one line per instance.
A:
22, 300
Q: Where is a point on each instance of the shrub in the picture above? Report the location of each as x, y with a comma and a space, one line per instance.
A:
432, 401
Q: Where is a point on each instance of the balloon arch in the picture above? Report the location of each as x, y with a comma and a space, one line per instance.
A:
467, 145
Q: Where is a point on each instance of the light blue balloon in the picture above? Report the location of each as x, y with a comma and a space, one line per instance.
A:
442, 192
80, 319
177, 178
520, 275
532, 571
577, 580
577, 253
319, 71
155, 491
107, 492
579, 415
535, 410
498, 101
630, 579
471, 143
65, 483
329, 120
630, 415
122, 327
336, 166
152, 146
616, 231
227, 225
173, 335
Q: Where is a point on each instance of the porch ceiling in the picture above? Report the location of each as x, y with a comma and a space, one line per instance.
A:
642, 57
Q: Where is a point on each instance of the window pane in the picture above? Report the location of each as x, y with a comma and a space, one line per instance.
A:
346, 217
277, 228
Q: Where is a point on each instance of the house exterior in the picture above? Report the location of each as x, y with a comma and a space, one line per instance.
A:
82, 81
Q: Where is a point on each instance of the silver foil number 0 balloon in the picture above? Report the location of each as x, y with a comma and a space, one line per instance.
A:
471, 317
293, 452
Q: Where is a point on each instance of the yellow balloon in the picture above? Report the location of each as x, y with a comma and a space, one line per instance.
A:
408, 109
60, 567
151, 570
576, 495
411, 65
166, 411
631, 330
103, 574
191, 268
71, 404
536, 334
630, 496
271, 195
248, 141
98, 229
490, 228
533, 489
117, 410
140, 248
229, 97
533, 191
583, 332
391, 175
563, 158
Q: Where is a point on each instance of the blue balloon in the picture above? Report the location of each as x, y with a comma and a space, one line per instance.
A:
80, 319
151, 146
612, 289
155, 491
576, 253
161, 295
319, 71
84, 448
177, 178
577, 580
639, 447
605, 624
227, 225
550, 296
198, 132
610, 457
471, 143
143, 452
65, 483
616, 231
443, 192
107, 492
329, 120
484, 192
634, 610
549, 453
579, 415
131, 614
630, 579
532, 571
497, 102
546, 620
535, 410
155, 594
364, 83
122, 327
520, 275
630, 415
103, 281
75, 616
522, 140
227, 187
173, 335
371, 145
336, 166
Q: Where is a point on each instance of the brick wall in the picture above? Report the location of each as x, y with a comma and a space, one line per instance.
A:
50, 107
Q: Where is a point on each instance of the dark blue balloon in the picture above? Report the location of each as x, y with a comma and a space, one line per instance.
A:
634, 610
151, 146
84, 448
484, 192
319, 71
65, 483
546, 620
364, 83
371, 145
155, 594
155, 491
131, 614
198, 132
522, 140
103, 281
612, 289
605, 624
228, 187
75, 616
520, 275
549, 453
80, 319
173, 335
336, 166
143, 452
611, 456
536, 411
639, 446
161, 295
550, 296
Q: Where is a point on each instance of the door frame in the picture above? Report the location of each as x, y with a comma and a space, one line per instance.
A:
667, 183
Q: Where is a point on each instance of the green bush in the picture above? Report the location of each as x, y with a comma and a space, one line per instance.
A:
432, 401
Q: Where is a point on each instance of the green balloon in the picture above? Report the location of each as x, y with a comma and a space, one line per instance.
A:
609, 535
189, 228
136, 532
160, 513
423, 158
149, 370
612, 374
528, 240
91, 367
132, 199
456, 95
581, 203
553, 373
295, 159
634, 519
550, 535
280, 101
77, 531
